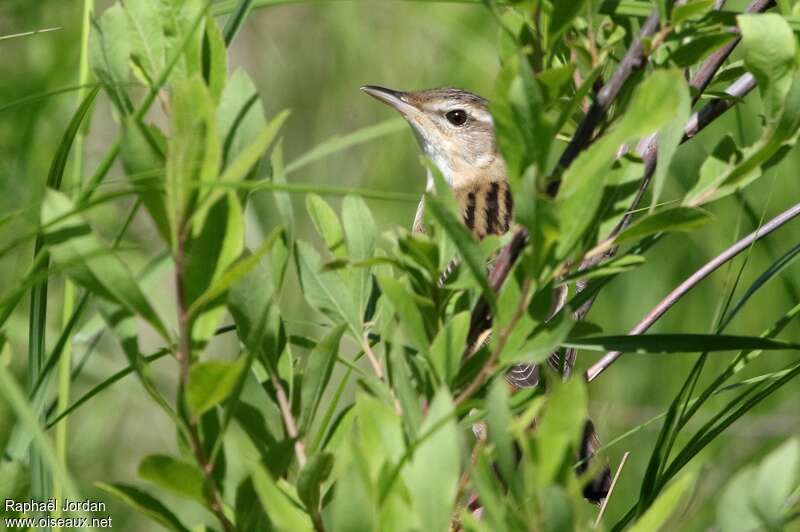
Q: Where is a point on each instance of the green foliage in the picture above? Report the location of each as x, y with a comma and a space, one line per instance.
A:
279, 422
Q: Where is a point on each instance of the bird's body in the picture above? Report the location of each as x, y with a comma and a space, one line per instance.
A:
455, 130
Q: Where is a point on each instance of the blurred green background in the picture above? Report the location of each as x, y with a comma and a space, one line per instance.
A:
311, 58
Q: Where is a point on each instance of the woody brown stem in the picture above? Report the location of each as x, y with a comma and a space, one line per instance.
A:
183, 355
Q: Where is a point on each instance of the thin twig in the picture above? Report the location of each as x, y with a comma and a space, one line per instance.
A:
673, 297
29, 33
373, 360
611, 489
289, 422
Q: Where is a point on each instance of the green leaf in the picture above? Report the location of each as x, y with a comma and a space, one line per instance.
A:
250, 155
564, 12
664, 506
327, 224
249, 300
144, 165
407, 395
211, 382
769, 53
779, 134
123, 323
676, 343
560, 429
89, 262
182, 30
240, 167
145, 504
311, 477
406, 310
193, 151
777, 479
499, 425
654, 103
173, 475
319, 367
283, 200
236, 19
357, 512
360, 231
690, 10
757, 497
103, 385
215, 68
109, 51
325, 291
605, 269
735, 512
277, 504
249, 515
676, 219
448, 346
235, 273
240, 114
433, 489
542, 342
208, 254
671, 135
698, 48
15, 480
468, 248
557, 511
146, 38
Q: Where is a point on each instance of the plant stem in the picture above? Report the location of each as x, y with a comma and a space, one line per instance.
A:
74, 179
288, 419
673, 297
183, 356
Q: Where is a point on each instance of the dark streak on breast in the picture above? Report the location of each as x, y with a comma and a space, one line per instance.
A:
492, 209
469, 214
509, 204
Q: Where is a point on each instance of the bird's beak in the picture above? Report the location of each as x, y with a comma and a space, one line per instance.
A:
395, 99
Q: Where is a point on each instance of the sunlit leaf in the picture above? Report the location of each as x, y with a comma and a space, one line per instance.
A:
317, 373
665, 505
72, 242
144, 503
211, 382
173, 475
432, 489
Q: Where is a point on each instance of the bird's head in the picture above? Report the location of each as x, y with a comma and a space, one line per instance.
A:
453, 127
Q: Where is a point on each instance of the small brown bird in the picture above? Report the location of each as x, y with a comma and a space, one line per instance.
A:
456, 131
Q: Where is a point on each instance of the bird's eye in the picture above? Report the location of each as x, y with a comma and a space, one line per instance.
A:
457, 117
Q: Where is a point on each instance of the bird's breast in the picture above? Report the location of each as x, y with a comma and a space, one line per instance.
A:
487, 207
